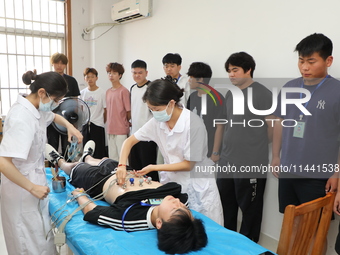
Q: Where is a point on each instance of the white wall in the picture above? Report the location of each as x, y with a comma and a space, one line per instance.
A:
202, 30
209, 31
80, 50
88, 52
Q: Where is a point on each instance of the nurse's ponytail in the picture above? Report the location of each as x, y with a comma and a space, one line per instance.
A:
162, 91
52, 82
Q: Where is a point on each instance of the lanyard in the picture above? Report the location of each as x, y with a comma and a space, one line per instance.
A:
127, 209
318, 86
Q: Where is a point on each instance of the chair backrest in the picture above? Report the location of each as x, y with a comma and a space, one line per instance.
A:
305, 227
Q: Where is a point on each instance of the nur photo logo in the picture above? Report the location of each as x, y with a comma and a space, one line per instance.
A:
213, 95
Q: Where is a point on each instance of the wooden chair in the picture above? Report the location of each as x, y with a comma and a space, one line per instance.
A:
305, 227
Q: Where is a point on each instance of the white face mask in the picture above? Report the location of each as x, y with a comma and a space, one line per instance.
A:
162, 116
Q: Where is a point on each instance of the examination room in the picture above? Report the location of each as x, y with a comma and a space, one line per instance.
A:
169, 127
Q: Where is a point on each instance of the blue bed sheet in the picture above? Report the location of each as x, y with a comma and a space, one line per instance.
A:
85, 238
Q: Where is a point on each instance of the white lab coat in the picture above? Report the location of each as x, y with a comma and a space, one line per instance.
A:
186, 141
24, 140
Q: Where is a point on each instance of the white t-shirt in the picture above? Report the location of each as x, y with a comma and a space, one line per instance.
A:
140, 113
183, 83
96, 101
186, 141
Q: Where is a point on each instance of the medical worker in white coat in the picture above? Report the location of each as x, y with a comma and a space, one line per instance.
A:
182, 139
24, 190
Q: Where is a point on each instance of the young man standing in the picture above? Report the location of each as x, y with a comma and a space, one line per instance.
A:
199, 77
118, 110
244, 146
95, 98
310, 148
172, 66
59, 62
144, 153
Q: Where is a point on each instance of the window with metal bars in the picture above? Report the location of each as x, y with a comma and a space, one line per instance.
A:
30, 32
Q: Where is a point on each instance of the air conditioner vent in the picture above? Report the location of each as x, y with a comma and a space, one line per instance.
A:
129, 10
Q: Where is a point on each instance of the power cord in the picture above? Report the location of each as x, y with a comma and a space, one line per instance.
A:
87, 31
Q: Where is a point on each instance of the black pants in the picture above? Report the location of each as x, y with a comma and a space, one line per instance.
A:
53, 137
97, 134
143, 154
238, 191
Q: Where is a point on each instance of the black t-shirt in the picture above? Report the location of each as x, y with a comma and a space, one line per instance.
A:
214, 111
73, 89
136, 216
242, 143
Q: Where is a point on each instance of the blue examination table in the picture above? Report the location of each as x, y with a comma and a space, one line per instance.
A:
84, 238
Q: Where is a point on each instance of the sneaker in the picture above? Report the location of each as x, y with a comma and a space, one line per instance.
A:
52, 155
88, 150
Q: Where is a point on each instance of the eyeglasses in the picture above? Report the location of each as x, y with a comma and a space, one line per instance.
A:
55, 102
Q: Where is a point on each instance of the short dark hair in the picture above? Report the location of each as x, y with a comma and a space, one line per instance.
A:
57, 57
116, 67
52, 82
315, 43
139, 64
181, 234
243, 60
200, 70
172, 58
162, 91
90, 70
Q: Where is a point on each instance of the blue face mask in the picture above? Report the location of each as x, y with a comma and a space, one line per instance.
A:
47, 107
162, 116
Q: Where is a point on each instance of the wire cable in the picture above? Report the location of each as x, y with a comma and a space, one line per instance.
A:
89, 29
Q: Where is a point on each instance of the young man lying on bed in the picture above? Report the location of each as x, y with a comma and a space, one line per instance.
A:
177, 230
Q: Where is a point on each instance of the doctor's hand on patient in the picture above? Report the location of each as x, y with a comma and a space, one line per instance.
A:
121, 175
145, 170
39, 191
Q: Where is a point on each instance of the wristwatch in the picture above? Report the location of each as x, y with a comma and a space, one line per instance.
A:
216, 153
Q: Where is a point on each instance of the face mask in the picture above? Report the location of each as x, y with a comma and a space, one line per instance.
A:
162, 116
45, 107
50, 106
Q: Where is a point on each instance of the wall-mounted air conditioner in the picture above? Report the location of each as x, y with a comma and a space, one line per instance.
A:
129, 10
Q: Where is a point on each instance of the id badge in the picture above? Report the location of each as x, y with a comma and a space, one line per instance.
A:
299, 129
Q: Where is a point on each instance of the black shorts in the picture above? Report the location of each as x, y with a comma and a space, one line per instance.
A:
295, 191
92, 178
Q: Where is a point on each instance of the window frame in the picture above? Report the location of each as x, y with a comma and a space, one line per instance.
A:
12, 85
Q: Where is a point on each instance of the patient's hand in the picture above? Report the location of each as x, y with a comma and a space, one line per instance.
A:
77, 191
